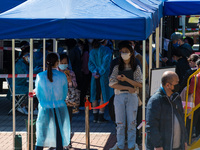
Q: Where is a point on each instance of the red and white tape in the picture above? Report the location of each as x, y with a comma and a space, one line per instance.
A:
16, 75
190, 16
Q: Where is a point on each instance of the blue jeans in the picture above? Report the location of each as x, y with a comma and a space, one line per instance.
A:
126, 106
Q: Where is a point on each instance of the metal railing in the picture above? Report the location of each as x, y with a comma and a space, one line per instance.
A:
186, 105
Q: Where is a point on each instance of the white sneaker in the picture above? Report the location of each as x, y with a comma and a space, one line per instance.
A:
114, 147
22, 110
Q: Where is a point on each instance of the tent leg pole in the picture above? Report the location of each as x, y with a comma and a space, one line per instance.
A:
157, 47
44, 53
143, 95
13, 89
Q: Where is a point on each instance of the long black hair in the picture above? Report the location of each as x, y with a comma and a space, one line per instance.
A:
51, 59
127, 44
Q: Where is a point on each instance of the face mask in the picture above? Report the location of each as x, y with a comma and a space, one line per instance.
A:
132, 47
63, 66
176, 45
176, 88
27, 59
125, 56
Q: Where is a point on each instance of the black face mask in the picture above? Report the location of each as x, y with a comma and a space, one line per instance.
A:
176, 88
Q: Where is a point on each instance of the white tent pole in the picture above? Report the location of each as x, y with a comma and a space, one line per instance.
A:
157, 47
143, 94
55, 45
150, 54
31, 88
161, 28
44, 53
183, 25
13, 89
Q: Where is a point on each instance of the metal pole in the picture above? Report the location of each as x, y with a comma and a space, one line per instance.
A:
161, 33
183, 25
44, 53
13, 89
31, 88
55, 45
143, 95
87, 127
150, 54
157, 47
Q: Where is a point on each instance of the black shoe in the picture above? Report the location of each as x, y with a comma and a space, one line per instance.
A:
102, 119
95, 117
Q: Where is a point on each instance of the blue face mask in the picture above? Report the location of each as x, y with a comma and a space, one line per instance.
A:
176, 44
63, 66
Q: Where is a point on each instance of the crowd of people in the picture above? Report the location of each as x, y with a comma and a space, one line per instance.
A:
87, 67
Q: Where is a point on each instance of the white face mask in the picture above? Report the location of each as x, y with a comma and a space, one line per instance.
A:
125, 56
63, 66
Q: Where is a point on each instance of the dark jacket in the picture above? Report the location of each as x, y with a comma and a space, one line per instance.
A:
183, 84
182, 66
186, 50
160, 116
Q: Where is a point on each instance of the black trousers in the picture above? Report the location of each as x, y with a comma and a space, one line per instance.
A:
59, 145
197, 121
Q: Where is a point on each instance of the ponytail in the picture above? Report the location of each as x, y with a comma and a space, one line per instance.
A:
51, 59
49, 73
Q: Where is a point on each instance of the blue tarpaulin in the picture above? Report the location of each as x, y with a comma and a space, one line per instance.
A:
8, 4
100, 19
181, 7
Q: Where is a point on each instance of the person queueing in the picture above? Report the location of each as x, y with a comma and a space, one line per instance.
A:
53, 123
165, 125
72, 99
126, 78
99, 64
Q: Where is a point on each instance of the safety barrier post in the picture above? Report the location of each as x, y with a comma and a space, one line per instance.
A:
87, 124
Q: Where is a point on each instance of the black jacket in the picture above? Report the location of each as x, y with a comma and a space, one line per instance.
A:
182, 66
160, 117
186, 50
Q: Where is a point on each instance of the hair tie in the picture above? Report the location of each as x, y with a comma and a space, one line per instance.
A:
49, 63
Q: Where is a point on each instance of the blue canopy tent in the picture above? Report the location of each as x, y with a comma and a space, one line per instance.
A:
74, 19
102, 19
136, 6
181, 7
8, 4
157, 4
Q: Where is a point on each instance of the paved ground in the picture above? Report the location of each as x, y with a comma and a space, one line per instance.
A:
102, 136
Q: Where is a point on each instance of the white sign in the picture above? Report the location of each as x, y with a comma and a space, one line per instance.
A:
155, 80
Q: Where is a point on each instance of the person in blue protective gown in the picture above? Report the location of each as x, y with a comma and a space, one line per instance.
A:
53, 124
99, 65
21, 84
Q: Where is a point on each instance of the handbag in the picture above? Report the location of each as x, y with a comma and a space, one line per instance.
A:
73, 97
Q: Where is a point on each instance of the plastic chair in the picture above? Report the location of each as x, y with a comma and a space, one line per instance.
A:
19, 98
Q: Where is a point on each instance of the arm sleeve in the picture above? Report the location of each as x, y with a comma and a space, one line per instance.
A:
73, 78
153, 122
191, 88
106, 62
65, 86
138, 74
113, 77
91, 63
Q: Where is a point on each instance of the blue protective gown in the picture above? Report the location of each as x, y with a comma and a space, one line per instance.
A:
21, 84
99, 61
52, 95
